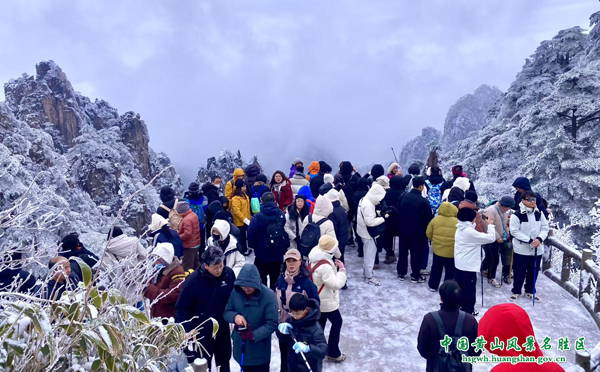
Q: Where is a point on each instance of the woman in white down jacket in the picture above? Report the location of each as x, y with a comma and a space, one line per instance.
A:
221, 238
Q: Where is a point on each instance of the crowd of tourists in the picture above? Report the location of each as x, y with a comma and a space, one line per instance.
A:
266, 255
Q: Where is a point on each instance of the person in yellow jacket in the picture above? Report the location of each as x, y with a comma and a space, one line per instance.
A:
441, 232
238, 174
240, 210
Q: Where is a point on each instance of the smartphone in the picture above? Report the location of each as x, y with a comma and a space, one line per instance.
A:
242, 328
484, 217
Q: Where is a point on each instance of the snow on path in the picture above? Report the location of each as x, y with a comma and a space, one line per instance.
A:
381, 324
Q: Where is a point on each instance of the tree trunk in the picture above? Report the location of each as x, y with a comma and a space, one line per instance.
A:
574, 127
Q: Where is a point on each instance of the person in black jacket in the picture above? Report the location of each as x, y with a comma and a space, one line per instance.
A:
308, 336
415, 214
522, 184
167, 197
211, 189
317, 181
392, 197
204, 295
362, 188
70, 246
267, 261
348, 178
12, 273
428, 341
339, 217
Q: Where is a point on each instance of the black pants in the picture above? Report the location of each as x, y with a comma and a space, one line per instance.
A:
334, 334
284, 355
467, 280
261, 368
425, 255
388, 244
492, 257
524, 268
359, 242
350, 230
243, 240
414, 245
440, 264
220, 348
270, 269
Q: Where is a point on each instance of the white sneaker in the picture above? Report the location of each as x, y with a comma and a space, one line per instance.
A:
373, 281
530, 296
514, 297
425, 272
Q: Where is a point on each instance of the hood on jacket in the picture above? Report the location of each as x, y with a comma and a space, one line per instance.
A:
223, 228
166, 194
376, 194
239, 172
448, 210
328, 178
249, 277
384, 181
468, 204
305, 190
392, 166
522, 183
325, 188
377, 171
346, 168
462, 183
323, 207
397, 183
463, 225
164, 251
506, 321
313, 316
314, 167
157, 223
362, 184
333, 195
215, 207
270, 209
414, 169
436, 179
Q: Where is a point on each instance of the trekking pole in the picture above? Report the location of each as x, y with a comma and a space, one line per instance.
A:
243, 352
303, 357
394, 152
512, 252
482, 277
534, 274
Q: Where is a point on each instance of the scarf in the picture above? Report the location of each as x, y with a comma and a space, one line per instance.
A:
289, 277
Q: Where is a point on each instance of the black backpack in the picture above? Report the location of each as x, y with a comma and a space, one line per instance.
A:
451, 361
310, 236
277, 240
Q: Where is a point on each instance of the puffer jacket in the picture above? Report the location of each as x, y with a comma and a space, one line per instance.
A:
323, 209
467, 245
294, 223
441, 230
189, 229
313, 170
168, 286
228, 243
123, 247
283, 194
285, 289
526, 226
258, 236
297, 182
366, 214
456, 193
240, 209
480, 224
252, 171
328, 277
500, 219
230, 186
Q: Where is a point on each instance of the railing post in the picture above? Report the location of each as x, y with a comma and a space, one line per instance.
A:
200, 365
547, 262
566, 268
582, 359
586, 254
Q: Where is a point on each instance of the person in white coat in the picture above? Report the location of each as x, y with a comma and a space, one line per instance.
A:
323, 208
528, 228
221, 238
467, 255
328, 178
329, 276
294, 219
367, 217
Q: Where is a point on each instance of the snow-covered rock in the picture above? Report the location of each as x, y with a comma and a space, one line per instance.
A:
417, 150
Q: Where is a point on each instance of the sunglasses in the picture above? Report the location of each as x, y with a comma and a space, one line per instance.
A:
531, 200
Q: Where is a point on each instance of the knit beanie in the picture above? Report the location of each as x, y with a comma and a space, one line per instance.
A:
164, 251
261, 178
466, 215
297, 160
166, 194
182, 207
414, 169
457, 171
325, 168
328, 244
507, 201
377, 171
471, 196
300, 196
239, 184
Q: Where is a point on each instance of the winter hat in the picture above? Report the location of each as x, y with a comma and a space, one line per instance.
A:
70, 242
471, 196
418, 182
293, 253
213, 256
164, 251
397, 183
182, 207
346, 168
457, 171
462, 183
261, 178
297, 160
194, 187
116, 231
384, 181
239, 184
328, 244
157, 223
299, 169
522, 183
466, 215
324, 189
507, 201
392, 166
222, 227
325, 168
362, 184
300, 196
377, 171
166, 194
414, 169
328, 178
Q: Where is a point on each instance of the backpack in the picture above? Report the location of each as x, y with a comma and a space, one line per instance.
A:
197, 208
451, 361
310, 236
174, 217
434, 196
277, 240
312, 269
255, 200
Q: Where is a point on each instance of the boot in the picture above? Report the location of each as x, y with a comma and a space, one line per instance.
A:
389, 259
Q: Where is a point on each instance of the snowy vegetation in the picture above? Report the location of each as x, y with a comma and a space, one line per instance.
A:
224, 165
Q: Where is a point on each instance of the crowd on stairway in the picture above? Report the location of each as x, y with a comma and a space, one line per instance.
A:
296, 229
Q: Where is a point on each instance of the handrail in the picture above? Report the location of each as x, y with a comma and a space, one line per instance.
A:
583, 291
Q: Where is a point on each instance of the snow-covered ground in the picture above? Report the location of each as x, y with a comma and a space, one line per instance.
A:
381, 323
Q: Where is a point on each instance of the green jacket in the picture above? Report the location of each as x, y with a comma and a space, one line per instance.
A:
441, 230
260, 311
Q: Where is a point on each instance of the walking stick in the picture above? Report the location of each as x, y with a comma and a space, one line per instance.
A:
482, 277
394, 152
303, 356
512, 253
243, 352
534, 274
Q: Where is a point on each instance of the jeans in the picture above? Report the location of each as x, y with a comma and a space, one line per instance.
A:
467, 280
369, 259
440, 264
526, 269
270, 269
492, 258
334, 333
414, 245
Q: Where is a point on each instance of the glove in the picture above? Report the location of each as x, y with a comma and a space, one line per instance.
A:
247, 334
300, 347
285, 328
246, 221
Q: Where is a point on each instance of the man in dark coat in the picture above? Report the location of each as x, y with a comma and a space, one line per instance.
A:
348, 179
267, 261
392, 196
71, 247
204, 295
522, 184
211, 189
415, 215
317, 181
251, 172
428, 342
167, 197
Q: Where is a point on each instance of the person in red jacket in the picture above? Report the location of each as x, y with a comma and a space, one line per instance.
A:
189, 232
281, 187
506, 321
165, 287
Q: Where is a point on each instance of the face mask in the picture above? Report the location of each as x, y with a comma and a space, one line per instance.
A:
216, 238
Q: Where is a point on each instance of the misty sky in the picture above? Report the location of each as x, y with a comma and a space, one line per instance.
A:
342, 80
